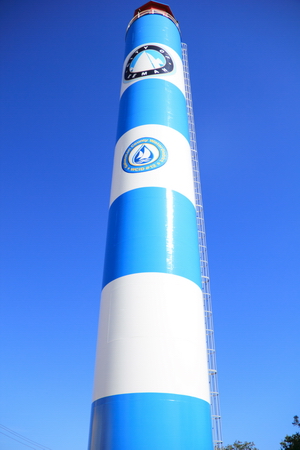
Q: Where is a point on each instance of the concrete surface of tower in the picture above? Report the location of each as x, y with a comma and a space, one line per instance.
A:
151, 378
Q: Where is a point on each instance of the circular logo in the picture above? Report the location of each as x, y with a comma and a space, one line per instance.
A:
143, 155
148, 60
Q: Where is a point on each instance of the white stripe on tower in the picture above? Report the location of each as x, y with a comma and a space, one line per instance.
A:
176, 174
150, 339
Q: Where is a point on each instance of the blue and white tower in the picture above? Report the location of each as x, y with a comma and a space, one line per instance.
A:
151, 378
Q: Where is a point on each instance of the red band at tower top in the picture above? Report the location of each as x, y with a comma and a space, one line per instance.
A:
155, 6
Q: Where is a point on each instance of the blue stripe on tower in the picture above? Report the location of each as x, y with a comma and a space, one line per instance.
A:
152, 230
152, 101
119, 422
153, 28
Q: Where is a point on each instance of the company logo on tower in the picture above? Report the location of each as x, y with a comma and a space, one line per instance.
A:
143, 155
148, 60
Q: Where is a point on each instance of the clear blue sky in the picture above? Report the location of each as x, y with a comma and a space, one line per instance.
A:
60, 79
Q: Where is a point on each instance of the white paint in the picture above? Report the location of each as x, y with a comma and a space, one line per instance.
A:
175, 174
146, 62
176, 76
151, 337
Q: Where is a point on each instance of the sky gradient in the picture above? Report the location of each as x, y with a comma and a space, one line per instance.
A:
61, 64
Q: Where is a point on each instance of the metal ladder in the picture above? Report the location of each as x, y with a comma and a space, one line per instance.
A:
210, 341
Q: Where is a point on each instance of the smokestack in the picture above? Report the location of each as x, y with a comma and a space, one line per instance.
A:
151, 378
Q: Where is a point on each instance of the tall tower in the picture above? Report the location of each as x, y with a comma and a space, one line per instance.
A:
152, 369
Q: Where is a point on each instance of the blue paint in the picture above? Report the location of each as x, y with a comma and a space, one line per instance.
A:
153, 101
153, 28
150, 421
152, 229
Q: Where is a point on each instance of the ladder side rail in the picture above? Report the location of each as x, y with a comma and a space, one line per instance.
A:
210, 342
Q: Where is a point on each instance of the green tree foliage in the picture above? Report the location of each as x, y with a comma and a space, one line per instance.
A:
238, 445
292, 442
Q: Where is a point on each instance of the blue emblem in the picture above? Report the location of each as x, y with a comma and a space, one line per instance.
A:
143, 155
